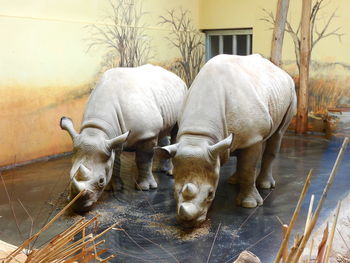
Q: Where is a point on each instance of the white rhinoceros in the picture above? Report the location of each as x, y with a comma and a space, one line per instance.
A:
132, 107
240, 104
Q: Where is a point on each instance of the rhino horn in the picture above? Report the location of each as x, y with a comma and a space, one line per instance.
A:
115, 142
189, 191
67, 124
83, 174
221, 146
188, 211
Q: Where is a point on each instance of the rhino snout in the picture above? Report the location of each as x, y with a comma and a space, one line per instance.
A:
84, 202
187, 211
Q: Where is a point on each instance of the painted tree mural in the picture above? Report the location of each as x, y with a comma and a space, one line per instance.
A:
317, 32
187, 40
122, 34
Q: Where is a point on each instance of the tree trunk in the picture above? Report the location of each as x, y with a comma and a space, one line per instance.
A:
278, 32
305, 47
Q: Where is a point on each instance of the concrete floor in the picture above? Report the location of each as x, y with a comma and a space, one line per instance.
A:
151, 233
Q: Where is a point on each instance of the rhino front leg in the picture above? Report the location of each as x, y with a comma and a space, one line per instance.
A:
247, 161
116, 183
165, 164
144, 159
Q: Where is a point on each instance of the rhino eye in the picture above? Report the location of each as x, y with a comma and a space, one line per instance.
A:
210, 194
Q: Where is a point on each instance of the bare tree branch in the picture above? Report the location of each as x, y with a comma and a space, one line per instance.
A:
316, 35
187, 40
122, 34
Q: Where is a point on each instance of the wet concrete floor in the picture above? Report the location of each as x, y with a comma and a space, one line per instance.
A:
148, 218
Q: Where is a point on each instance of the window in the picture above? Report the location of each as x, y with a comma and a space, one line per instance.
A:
233, 41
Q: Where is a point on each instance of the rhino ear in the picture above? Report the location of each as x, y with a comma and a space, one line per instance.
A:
167, 152
67, 124
221, 146
117, 141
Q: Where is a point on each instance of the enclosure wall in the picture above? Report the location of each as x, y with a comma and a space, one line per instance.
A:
46, 71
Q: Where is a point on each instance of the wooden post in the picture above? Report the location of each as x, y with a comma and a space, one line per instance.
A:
305, 48
278, 32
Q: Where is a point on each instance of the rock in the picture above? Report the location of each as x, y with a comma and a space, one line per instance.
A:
247, 257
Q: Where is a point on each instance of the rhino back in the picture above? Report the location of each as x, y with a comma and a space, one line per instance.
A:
244, 95
145, 100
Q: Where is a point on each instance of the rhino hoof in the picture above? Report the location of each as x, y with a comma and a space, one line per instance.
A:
249, 201
266, 184
146, 185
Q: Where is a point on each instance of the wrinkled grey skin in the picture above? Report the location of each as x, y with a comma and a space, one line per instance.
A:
237, 104
131, 109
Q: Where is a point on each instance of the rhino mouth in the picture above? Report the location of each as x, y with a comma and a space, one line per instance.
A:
195, 222
84, 203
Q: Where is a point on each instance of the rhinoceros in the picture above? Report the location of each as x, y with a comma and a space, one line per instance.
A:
130, 108
236, 104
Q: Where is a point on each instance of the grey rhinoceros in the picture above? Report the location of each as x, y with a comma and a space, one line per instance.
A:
130, 107
240, 104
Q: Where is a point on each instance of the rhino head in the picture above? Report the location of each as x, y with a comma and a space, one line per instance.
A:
196, 173
93, 159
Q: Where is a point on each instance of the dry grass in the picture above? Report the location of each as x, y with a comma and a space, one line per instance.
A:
325, 93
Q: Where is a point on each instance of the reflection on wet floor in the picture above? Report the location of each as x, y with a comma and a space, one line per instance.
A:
148, 218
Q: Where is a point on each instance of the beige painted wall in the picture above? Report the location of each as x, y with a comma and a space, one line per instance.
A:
221, 14
46, 72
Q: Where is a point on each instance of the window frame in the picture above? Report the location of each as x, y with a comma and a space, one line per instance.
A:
224, 32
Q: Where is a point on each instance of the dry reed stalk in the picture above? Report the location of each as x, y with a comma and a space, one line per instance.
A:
322, 246
106, 259
212, 245
62, 239
29, 216
294, 249
92, 256
161, 247
330, 240
59, 241
54, 251
309, 214
63, 248
320, 203
84, 252
138, 245
11, 206
294, 217
35, 236
78, 246
346, 244
285, 251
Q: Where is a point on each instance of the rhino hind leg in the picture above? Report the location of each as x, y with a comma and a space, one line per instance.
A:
265, 179
144, 159
247, 161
